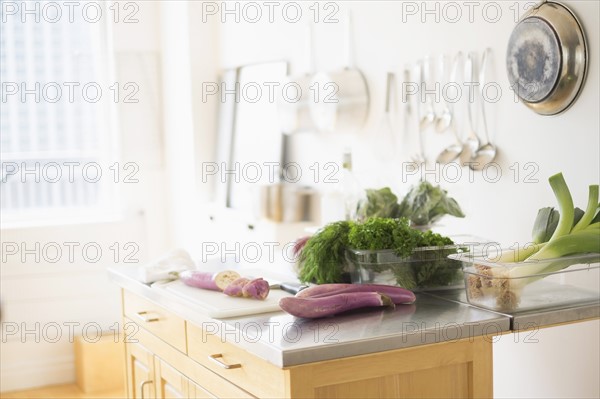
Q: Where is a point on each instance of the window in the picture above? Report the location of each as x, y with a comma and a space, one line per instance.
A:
56, 108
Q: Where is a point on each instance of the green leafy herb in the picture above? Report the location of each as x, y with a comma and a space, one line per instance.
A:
411, 269
322, 258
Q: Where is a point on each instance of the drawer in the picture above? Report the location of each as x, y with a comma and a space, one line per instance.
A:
178, 370
247, 371
155, 319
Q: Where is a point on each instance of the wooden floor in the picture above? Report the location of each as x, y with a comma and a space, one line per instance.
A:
62, 392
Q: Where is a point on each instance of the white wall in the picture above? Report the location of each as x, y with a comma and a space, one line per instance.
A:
567, 143
503, 210
79, 291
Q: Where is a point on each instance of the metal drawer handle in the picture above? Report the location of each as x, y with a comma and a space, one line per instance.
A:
146, 318
142, 385
215, 358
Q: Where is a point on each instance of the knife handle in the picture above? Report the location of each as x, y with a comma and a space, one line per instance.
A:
292, 288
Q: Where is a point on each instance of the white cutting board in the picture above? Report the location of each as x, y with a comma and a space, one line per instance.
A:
218, 305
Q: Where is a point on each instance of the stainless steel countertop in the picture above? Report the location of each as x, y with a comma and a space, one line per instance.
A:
285, 340
535, 318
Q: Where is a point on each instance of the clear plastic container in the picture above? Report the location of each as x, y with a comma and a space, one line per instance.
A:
426, 269
531, 285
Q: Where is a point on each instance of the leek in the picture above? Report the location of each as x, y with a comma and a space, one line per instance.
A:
591, 210
575, 232
519, 254
586, 241
565, 205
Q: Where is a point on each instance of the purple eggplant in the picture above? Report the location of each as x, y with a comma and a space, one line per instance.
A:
312, 308
257, 289
236, 287
397, 294
208, 281
299, 245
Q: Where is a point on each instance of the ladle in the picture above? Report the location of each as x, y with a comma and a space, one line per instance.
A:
472, 142
429, 115
445, 119
453, 151
487, 152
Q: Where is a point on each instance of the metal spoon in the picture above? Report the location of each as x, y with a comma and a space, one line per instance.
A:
444, 120
453, 151
472, 142
487, 152
428, 118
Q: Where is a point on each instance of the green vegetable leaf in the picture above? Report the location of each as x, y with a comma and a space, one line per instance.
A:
426, 204
546, 222
565, 205
379, 203
590, 212
544, 225
597, 217
446, 206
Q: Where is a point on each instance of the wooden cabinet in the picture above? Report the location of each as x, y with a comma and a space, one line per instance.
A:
155, 319
197, 392
461, 369
151, 377
170, 383
169, 357
140, 371
255, 375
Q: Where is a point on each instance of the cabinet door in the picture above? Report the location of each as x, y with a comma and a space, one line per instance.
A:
170, 383
140, 372
197, 392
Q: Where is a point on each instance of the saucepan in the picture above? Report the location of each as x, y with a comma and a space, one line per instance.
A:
547, 58
281, 202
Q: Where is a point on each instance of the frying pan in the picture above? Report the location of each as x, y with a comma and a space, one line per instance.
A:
547, 58
343, 103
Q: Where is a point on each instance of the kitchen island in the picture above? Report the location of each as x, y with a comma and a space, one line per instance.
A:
437, 347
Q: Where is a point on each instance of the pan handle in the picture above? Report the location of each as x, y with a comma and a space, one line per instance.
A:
390, 91
349, 44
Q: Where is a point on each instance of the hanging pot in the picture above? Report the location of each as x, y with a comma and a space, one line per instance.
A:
547, 58
343, 96
294, 111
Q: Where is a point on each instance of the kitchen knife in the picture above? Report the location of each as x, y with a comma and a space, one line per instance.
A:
292, 288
